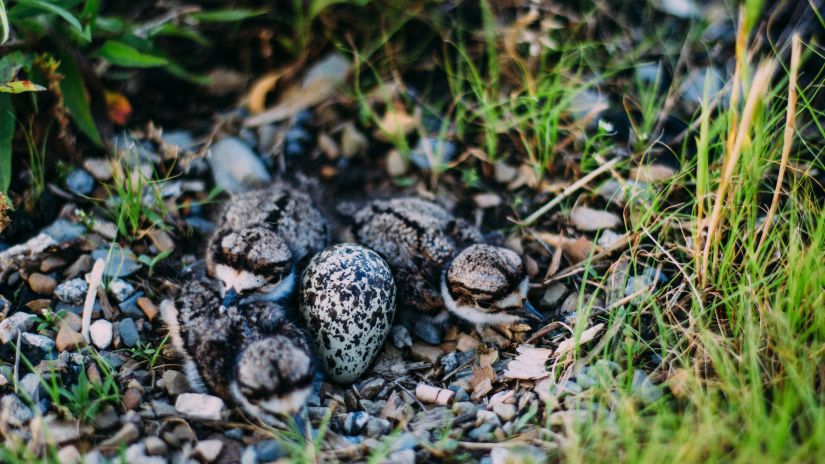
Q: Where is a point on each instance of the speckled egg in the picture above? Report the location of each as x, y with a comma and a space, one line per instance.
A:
347, 302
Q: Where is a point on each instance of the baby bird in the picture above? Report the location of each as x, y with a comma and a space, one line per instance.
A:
249, 355
422, 242
295, 226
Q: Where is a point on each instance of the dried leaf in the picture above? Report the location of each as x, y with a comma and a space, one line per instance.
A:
256, 98
396, 123
293, 102
118, 107
529, 364
576, 250
569, 344
20, 87
652, 173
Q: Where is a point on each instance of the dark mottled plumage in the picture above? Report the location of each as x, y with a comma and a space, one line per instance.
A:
290, 212
219, 346
484, 274
256, 248
347, 303
417, 238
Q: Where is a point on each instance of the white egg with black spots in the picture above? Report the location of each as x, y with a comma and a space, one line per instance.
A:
348, 304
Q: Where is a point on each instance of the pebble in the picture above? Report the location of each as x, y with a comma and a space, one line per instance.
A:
131, 399
41, 283
175, 382
72, 291
235, 166
441, 151
405, 456
505, 411
200, 406
128, 332
101, 333
590, 220
107, 418
377, 427
553, 295
136, 454
209, 450
17, 322
100, 169
81, 265
400, 337
38, 341
121, 289
69, 455
466, 342
120, 263
155, 446
454, 360
355, 422
517, 455
487, 417
373, 408
51, 263
14, 412
465, 407
353, 142
487, 200
30, 384
80, 182
68, 339
162, 408
426, 353
370, 388
130, 308
428, 331
397, 164
481, 432
647, 391
62, 230
268, 451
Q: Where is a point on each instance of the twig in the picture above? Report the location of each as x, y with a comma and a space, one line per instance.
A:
790, 123
94, 282
569, 191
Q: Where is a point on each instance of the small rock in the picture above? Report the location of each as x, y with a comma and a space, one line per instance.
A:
432, 149
162, 408
82, 265
553, 295
62, 230
148, 308
465, 407
481, 432
456, 359
71, 320
504, 173
72, 291
487, 417
155, 446
200, 406
17, 322
208, 450
427, 330
41, 283
377, 427
107, 418
353, 142
397, 163
101, 333
369, 389
405, 456
119, 262
608, 238
487, 200
121, 289
269, 451
128, 332
68, 339
373, 408
14, 412
51, 263
37, 306
426, 353
355, 422
505, 411
250, 456
80, 182
131, 399
235, 166
136, 454
400, 337
647, 391
101, 169
31, 385
175, 383
129, 307
590, 220
69, 455
44, 343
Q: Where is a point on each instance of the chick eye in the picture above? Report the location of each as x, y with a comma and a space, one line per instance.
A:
484, 305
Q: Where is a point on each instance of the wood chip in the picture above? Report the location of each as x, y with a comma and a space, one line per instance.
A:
529, 364
434, 395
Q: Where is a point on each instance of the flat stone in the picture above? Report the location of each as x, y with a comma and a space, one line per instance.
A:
101, 333
107, 418
41, 283
131, 399
80, 182
200, 406
369, 389
235, 166
175, 382
38, 341
17, 322
377, 427
37, 306
505, 411
517, 455
99, 168
51, 263
69, 455
268, 451
62, 230
71, 320
121, 289
209, 450
14, 412
155, 446
128, 332
120, 262
148, 308
426, 353
553, 295
68, 339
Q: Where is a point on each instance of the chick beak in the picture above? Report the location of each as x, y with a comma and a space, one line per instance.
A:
531, 310
229, 298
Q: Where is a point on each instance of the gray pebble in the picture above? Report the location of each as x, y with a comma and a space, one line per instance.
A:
121, 289
17, 322
647, 391
428, 331
44, 343
373, 408
62, 230
370, 388
235, 166
120, 262
80, 182
72, 291
454, 360
269, 450
14, 412
377, 427
128, 332
481, 433
355, 422
400, 337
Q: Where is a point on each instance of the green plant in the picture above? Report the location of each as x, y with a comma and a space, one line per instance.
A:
152, 261
145, 352
136, 201
48, 319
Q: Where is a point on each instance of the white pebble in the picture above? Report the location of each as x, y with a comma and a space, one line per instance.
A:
200, 406
101, 333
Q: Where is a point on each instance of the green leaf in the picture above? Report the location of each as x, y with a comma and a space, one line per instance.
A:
6, 135
12, 63
174, 30
20, 87
226, 16
74, 97
119, 53
178, 71
50, 7
4, 24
